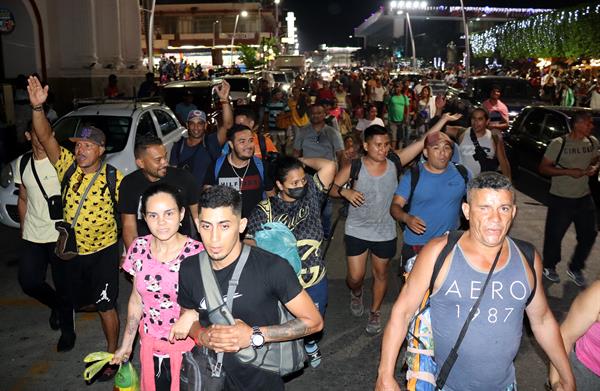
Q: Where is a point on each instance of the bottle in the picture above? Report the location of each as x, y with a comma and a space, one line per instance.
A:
125, 378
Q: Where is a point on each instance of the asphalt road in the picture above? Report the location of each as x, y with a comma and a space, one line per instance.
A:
350, 356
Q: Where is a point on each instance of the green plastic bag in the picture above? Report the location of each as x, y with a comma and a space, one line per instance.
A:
99, 359
127, 378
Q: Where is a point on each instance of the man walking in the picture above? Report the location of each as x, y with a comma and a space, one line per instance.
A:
151, 158
94, 272
570, 160
486, 355
265, 281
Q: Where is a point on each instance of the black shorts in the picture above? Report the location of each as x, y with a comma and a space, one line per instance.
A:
94, 279
356, 246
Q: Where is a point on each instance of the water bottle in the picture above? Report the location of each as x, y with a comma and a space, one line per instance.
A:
410, 262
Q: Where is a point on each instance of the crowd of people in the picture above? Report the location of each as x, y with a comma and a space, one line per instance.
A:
390, 151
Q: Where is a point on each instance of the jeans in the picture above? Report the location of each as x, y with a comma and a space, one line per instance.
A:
32, 279
320, 296
561, 213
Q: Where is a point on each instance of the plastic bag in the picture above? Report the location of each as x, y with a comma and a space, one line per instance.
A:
99, 359
127, 378
277, 238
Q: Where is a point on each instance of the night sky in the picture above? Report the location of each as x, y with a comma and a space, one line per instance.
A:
332, 21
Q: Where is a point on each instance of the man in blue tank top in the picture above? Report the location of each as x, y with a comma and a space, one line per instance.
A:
485, 357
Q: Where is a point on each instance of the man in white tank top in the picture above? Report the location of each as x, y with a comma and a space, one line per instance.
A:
480, 148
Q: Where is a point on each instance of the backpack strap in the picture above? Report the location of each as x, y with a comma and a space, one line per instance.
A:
23, 163
261, 168
397, 162
560, 151
528, 251
453, 238
64, 184
111, 181
355, 166
219, 164
462, 170
262, 145
414, 179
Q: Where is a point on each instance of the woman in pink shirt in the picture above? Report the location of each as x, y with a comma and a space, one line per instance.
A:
153, 261
581, 336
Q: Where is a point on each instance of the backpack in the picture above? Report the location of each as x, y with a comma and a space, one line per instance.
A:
257, 161
562, 148
111, 182
421, 372
414, 179
356, 165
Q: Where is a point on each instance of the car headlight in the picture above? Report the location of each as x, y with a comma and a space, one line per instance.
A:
285, 87
513, 113
6, 176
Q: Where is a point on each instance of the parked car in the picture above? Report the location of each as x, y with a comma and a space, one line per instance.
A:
241, 91
516, 93
121, 122
202, 90
533, 130
438, 87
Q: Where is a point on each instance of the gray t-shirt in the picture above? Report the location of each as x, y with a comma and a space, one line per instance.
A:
372, 221
323, 144
575, 154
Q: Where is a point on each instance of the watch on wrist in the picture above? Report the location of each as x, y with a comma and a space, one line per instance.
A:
257, 340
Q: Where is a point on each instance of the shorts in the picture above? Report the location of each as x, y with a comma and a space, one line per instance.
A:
395, 128
319, 295
94, 279
585, 379
356, 246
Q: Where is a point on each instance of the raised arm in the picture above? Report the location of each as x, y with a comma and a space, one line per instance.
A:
227, 120
547, 333
584, 312
413, 150
41, 126
325, 169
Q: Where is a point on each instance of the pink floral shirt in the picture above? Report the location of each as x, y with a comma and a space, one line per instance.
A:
157, 284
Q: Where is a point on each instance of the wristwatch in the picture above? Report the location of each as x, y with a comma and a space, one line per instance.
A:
257, 340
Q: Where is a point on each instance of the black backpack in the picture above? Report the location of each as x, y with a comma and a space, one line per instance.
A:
356, 165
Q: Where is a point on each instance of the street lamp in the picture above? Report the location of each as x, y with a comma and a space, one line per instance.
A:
402, 7
276, 2
237, 18
467, 46
214, 32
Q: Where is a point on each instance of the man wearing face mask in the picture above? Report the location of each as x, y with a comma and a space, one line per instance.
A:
298, 205
242, 170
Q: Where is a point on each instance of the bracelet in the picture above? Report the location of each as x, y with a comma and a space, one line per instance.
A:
224, 101
37, 108
197, 340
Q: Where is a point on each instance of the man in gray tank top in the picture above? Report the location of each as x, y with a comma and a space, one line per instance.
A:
369, 227
485, 357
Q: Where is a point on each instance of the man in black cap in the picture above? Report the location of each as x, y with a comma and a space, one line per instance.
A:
89, 196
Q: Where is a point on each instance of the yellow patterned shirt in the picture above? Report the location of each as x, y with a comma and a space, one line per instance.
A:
96, 227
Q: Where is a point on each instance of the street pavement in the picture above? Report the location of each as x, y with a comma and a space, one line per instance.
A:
350, 356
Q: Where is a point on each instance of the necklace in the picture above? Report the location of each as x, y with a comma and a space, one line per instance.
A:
241, 178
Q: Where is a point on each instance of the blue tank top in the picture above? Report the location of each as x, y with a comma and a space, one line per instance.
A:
485, 357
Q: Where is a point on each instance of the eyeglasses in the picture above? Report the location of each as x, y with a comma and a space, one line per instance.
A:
77, 184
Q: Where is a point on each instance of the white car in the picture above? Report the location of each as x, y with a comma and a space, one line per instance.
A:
241, 90
122, 122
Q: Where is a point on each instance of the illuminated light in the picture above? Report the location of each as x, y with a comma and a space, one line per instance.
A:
423, 4
244, 14
393, 4
400, 12
402, 4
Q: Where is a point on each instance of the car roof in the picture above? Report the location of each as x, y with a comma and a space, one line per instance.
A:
235, 77
492, 77
567, 110
190, 84
116, 109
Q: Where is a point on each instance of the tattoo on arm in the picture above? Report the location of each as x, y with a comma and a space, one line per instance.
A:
132, 325
295, 328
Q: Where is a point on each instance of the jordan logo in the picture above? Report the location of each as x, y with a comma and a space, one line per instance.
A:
104, 294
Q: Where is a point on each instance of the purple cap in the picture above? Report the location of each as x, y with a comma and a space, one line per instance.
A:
91, 134
196, 114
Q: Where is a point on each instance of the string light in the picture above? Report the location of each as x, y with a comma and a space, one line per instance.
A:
567, 33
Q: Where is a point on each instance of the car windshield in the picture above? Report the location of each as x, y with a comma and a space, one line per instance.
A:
115, 128
279, 78
509, 89
240, 84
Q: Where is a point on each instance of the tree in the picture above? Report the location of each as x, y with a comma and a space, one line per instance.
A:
249, 56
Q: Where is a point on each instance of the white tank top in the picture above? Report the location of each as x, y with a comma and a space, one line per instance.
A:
467, 149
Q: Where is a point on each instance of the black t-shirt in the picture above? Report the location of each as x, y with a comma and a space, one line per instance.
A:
266, 280
303, 218
133, 186
196, 159
249, 183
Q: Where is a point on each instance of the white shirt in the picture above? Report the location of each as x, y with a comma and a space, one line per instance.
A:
595, 100
364, 123
467, 149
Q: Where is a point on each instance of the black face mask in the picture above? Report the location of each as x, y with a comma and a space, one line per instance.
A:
297, 192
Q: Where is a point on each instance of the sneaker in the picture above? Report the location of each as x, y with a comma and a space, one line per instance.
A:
66, 341
356, 304
374, 323
314, 358
551, 275
576, 276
